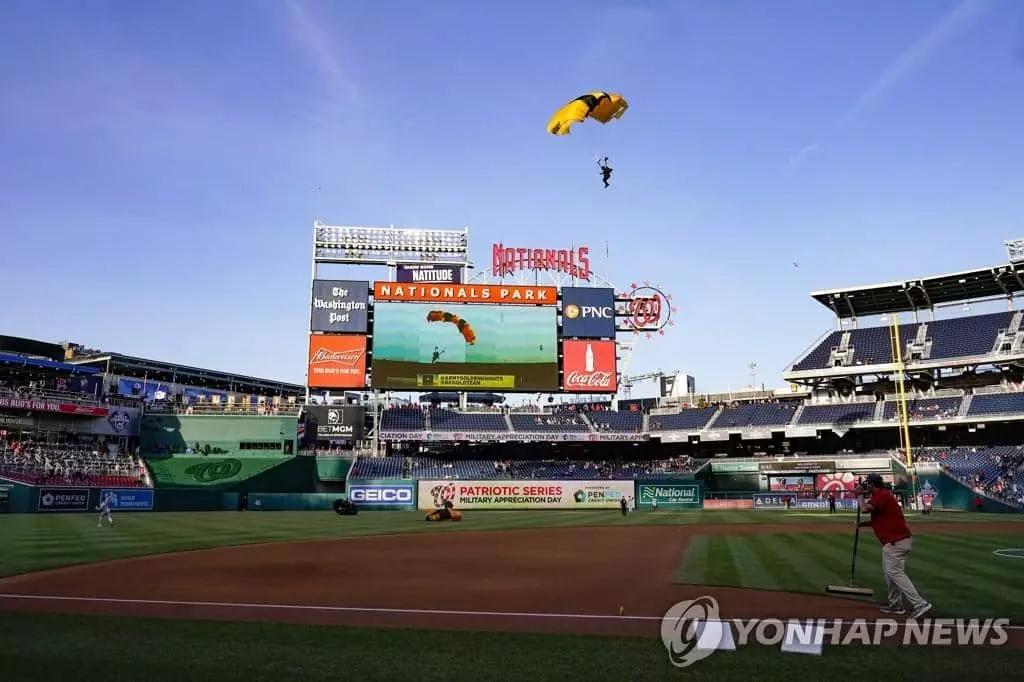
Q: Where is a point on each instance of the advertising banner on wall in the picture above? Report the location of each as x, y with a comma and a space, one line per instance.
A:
339, 306
129, 499
589, 367
63, 499
382, 495
669, 496
53, 406
588, 313
433, 274
122, 421
337, 361
336, 422
523, 494
465, 293
777, 501
518, 436
11, 421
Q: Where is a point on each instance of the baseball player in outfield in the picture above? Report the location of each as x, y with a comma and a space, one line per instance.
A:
105, 511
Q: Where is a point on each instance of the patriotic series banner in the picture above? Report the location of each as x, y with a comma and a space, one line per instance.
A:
523, 494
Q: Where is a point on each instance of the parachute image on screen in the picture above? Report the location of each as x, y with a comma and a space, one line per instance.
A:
451, 346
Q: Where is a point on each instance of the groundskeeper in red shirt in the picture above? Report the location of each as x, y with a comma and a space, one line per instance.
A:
890, 527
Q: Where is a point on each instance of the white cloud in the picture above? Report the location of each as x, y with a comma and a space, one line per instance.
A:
802, 155
950, 26
308, 34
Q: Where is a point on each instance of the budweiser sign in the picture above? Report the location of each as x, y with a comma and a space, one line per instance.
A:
509, 260
345, 357
592, 381
589, 366
52, 406
337, 361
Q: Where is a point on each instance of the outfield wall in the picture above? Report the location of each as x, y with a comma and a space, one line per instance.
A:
219, 435
523, 494
235, 474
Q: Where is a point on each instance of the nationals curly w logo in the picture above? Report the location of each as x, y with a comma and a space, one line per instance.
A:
220, 470
443, 493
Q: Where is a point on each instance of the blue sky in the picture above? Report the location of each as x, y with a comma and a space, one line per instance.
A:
161, 159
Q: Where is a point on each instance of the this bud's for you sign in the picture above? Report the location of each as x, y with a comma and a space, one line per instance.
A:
589, 367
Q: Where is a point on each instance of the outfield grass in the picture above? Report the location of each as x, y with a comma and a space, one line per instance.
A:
957, 572
960, 567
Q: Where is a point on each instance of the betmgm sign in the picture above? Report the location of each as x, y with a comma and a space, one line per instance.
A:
336, 422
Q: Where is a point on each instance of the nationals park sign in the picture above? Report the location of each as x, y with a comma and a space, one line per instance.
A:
523, 494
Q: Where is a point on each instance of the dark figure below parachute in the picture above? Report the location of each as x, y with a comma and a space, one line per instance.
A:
606, 171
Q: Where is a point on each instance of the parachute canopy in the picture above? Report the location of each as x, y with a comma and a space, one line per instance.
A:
464, 327
600, 106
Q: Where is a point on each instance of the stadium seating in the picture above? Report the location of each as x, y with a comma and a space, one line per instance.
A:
563, 422
426, 468
845, 413
924, 408
693, 419
951, 338
403, 418
470, 422
378, 467
65, 464
999, 471
755, 414
996, 403
554, 470
619, 422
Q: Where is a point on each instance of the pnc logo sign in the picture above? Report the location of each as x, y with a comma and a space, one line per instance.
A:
588, 313
380, 494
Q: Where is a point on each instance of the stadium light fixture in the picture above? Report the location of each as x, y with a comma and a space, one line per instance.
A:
389, 245
1015, 250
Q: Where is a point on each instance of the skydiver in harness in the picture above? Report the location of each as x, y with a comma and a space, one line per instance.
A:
606, 171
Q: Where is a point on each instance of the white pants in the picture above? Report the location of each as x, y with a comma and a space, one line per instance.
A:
894, 563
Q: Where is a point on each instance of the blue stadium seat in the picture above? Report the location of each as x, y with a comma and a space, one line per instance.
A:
925, 408
847, 413
996, 403
561, 422
755, 414
691, 419
619, 422
470, 422
403, 418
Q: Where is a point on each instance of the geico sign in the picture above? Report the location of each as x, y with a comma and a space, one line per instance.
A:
383, 495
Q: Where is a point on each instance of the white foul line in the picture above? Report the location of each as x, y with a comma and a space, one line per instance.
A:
337, 609
1003, 553
369, 609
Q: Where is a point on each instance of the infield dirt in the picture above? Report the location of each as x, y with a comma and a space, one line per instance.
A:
539, 580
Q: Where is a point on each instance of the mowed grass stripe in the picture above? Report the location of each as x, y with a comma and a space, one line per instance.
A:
696, 559
959, 581
750, 568
822, 560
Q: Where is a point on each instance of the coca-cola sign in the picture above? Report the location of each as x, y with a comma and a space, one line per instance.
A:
589, 366
583, 381
336, 361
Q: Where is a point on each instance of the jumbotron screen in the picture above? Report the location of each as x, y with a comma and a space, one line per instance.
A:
464, 347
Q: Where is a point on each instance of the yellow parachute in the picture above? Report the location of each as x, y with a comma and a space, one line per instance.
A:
600, 106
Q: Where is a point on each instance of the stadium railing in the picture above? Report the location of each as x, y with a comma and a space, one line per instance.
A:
235, 409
